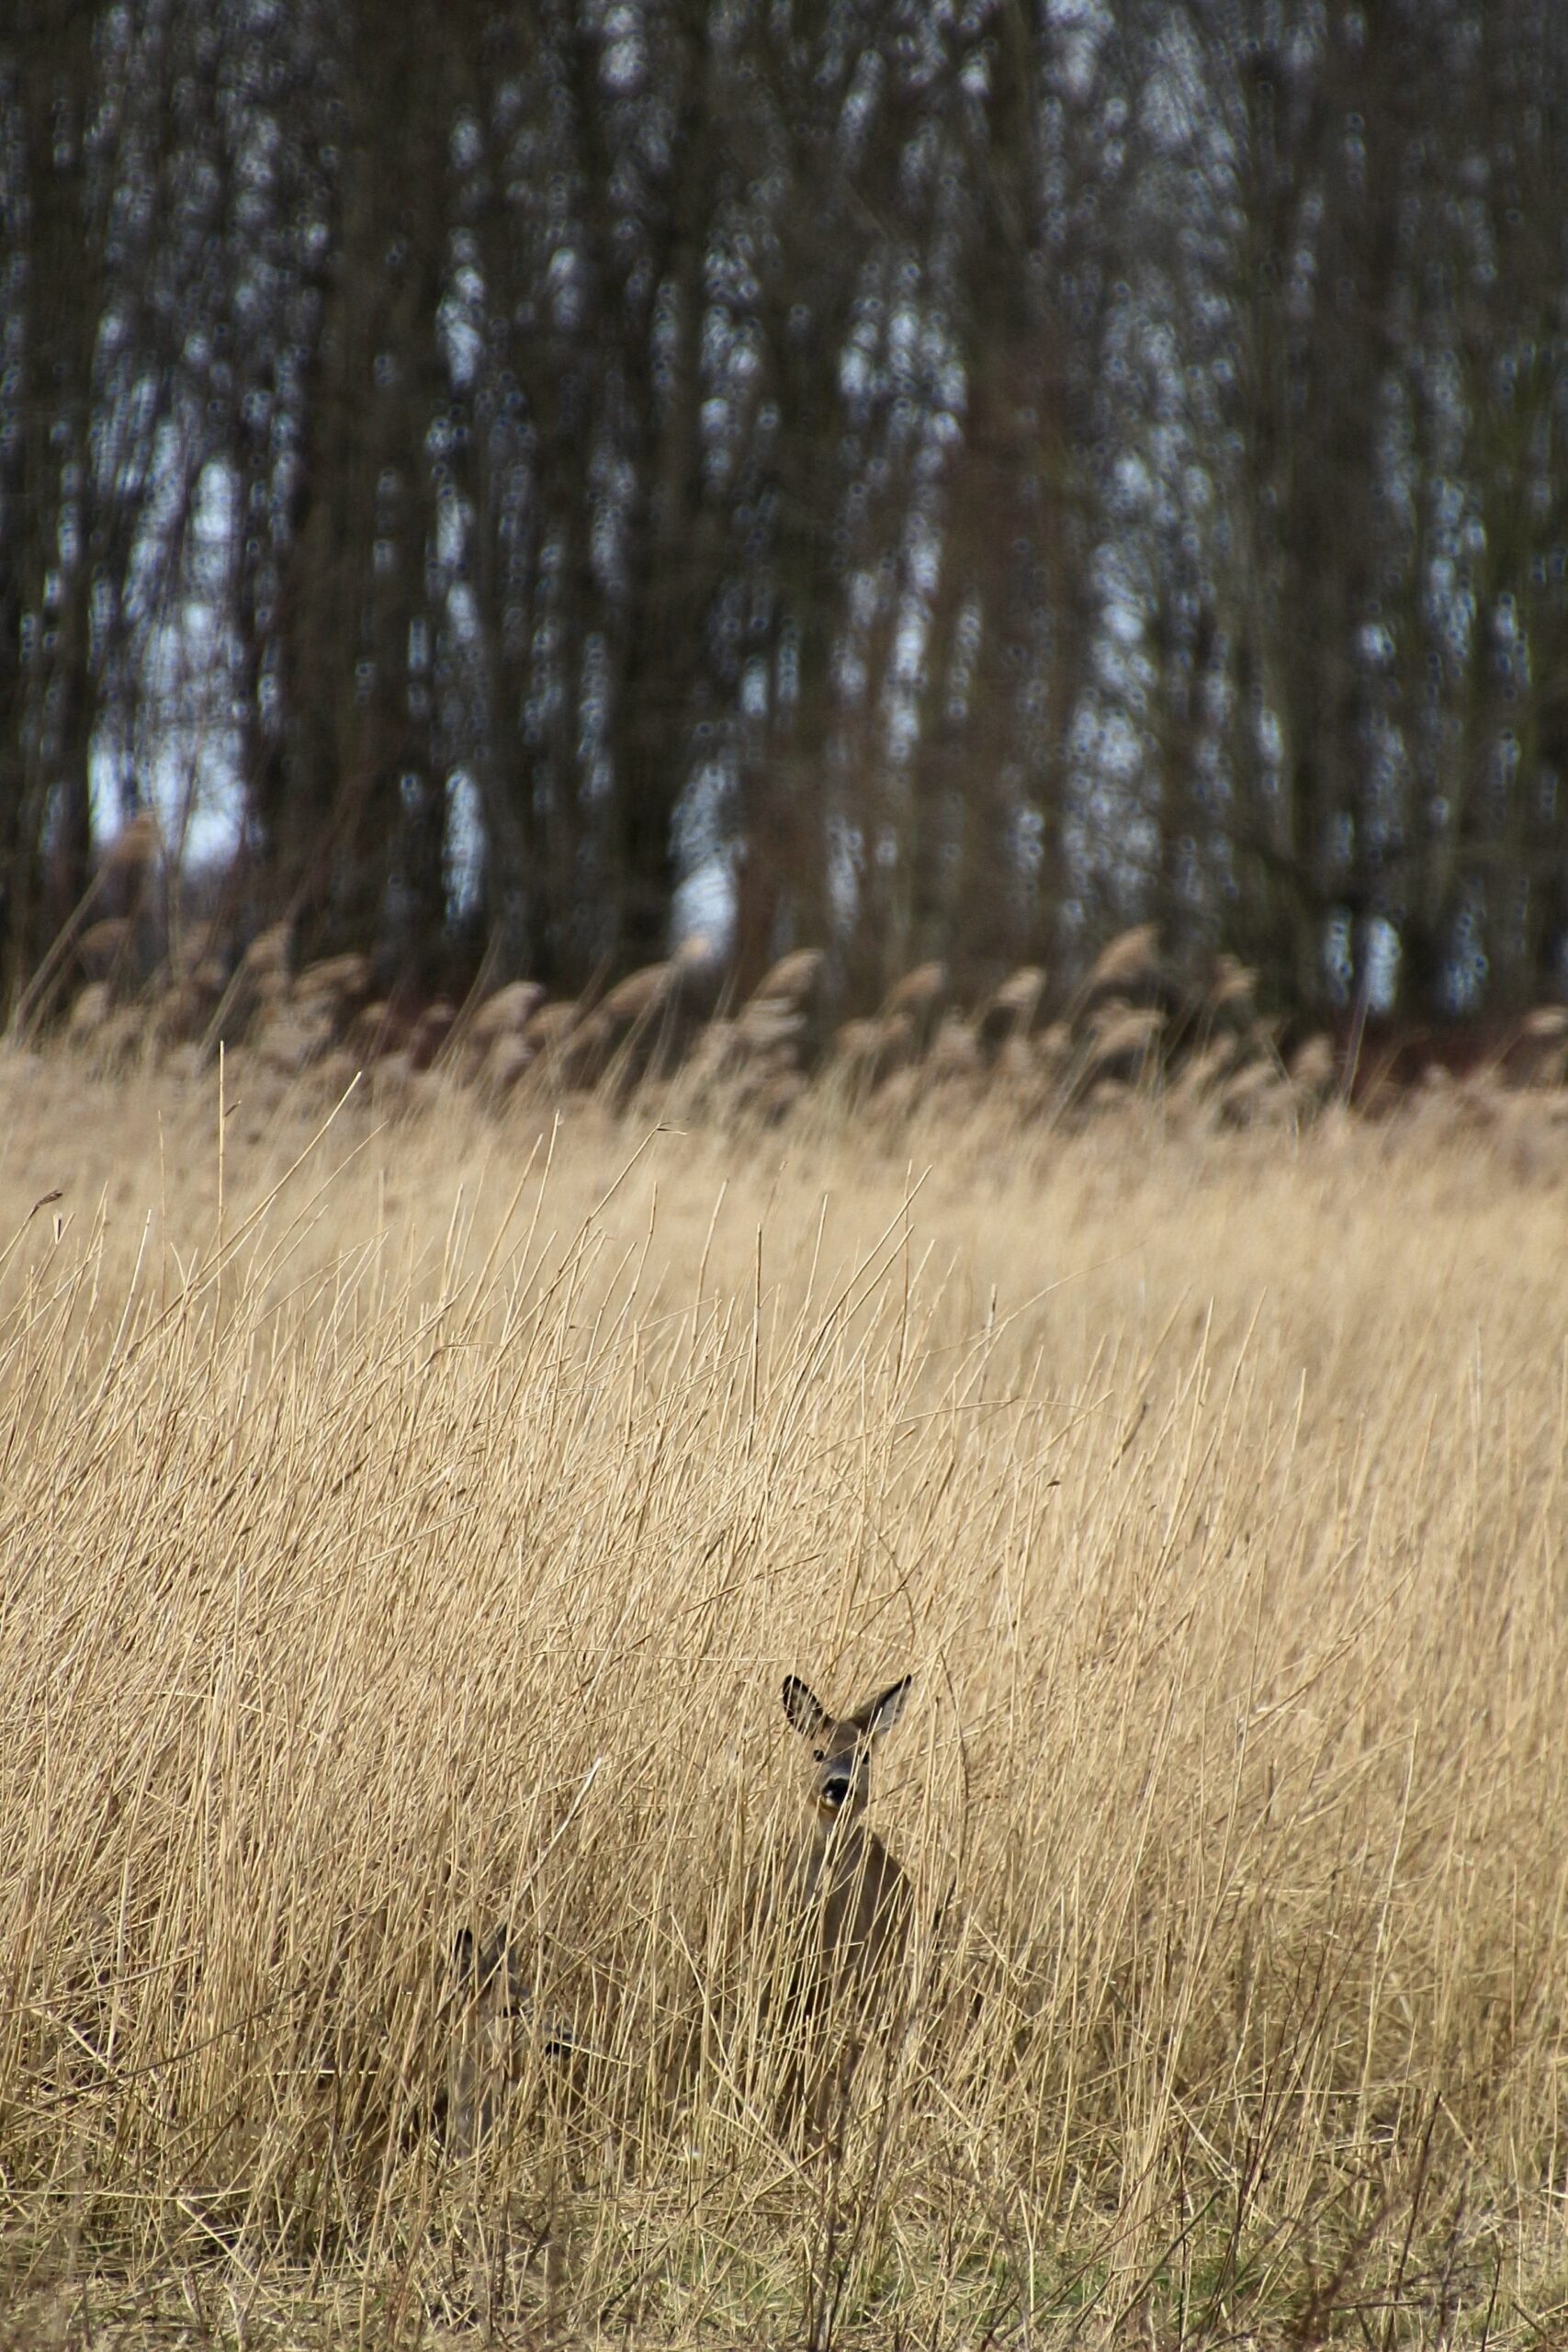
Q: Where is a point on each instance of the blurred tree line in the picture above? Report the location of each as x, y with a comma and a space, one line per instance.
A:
929, 478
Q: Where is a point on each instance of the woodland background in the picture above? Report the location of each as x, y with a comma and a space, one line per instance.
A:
509, 487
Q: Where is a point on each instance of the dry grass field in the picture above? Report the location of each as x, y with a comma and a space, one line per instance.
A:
406, 1528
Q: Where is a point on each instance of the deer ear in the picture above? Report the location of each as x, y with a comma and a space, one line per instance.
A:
805, 1710
885, 1709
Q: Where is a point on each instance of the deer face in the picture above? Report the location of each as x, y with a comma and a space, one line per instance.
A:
841, 1744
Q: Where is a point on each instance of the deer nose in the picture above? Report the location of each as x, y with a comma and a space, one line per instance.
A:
835, 1788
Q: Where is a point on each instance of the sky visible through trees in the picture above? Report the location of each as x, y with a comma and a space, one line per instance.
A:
938, 479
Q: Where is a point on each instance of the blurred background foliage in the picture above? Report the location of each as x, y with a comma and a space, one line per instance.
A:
514, 486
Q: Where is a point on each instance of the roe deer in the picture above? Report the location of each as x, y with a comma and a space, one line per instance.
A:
845, 1905
492, 2008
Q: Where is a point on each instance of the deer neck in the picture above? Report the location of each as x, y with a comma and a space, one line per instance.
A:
836, 1843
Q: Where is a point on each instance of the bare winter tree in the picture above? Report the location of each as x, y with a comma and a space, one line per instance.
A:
931, 485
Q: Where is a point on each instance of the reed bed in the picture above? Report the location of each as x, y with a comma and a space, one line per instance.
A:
406, 1528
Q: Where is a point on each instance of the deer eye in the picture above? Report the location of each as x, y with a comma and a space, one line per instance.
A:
819, 1755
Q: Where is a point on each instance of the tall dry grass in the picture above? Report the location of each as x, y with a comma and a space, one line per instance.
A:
411, 1528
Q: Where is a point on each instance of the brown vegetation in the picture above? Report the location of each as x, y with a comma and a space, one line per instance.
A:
1131, 1033
1130, 1025
1132, 1036
409, 1529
